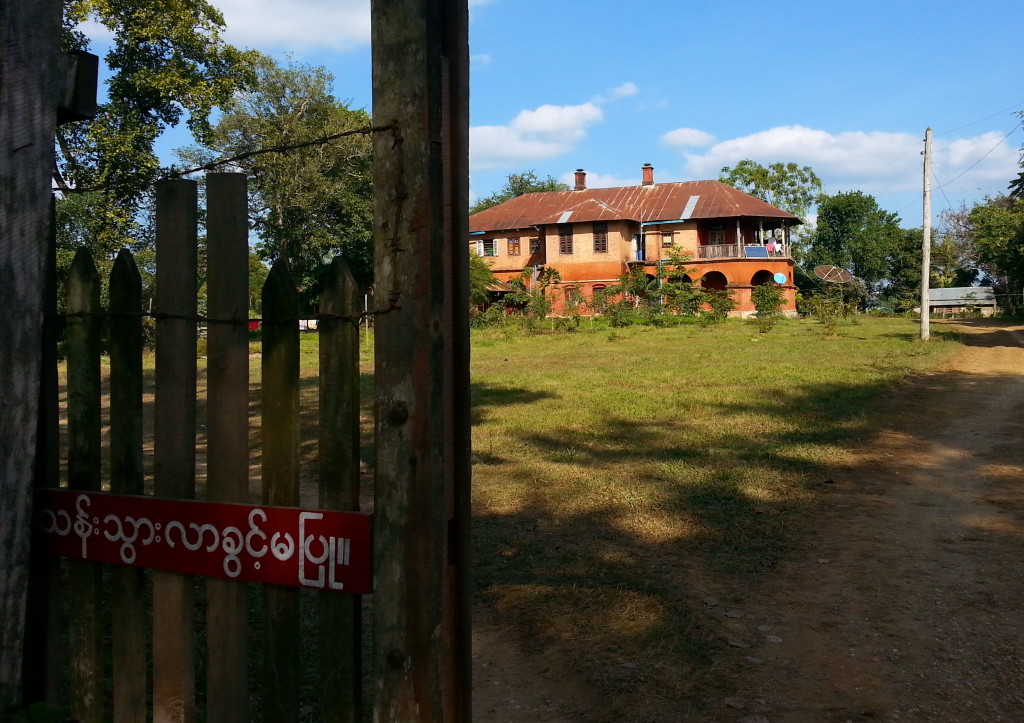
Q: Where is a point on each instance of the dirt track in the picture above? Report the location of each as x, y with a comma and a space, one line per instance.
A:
904, 604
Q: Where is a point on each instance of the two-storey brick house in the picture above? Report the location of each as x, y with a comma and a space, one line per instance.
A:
592, 236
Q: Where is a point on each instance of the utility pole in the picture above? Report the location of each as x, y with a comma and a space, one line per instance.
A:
926, 237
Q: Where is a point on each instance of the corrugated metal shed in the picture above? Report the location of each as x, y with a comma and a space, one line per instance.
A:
644, 204
962, 296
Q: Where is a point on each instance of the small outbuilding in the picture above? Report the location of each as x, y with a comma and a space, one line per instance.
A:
961, 300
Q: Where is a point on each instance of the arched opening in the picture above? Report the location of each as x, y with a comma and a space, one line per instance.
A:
714, 281
683, 280
762, 277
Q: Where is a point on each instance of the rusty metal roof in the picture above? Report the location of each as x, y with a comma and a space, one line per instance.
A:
644, 204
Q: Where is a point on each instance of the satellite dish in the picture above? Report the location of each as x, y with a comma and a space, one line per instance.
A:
832, 274
780, 278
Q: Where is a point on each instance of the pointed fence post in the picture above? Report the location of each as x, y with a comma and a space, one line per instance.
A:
128, 606
422, 661
227, 373
340, 628
84, 461
174, 441
280, 442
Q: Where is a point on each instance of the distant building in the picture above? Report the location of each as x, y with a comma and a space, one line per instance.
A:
592, 236
962, 299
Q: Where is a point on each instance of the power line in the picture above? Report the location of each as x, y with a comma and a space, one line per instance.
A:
1015, 106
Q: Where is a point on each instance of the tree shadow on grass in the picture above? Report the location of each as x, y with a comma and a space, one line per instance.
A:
578, 565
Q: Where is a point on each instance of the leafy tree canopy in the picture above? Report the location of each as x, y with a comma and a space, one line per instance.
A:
997, 228
853, 233
516, 185
168, 62
787, 186
306, 204
480, 278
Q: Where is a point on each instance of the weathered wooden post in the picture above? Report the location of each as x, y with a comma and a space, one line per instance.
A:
227, 371
84, 464
174, 441
127, 477
28, 99
280, 442
422, 476
338, 452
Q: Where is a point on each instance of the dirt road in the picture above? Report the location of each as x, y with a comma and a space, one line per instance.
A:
905, 603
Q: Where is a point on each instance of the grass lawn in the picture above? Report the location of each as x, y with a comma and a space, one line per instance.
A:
619, 473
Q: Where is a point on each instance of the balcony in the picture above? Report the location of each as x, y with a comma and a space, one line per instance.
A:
711, 252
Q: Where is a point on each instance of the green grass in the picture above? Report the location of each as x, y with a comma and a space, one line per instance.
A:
619, 474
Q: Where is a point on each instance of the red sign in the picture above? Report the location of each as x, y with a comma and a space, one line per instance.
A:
279, 545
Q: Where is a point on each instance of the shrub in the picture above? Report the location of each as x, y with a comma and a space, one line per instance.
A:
768, 301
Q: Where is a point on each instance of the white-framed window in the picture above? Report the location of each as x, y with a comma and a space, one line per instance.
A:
486, 247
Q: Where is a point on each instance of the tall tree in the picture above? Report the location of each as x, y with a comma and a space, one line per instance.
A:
854, 233
997, 228
901, 290
954, 257
307, 204
167, 63
516, 185
787, 186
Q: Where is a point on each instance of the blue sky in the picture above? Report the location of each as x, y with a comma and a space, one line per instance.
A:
606, 85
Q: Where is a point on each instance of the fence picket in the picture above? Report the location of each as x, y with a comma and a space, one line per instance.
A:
280, 441
227, 429
84, 474
126, 477
340, 620
174, 441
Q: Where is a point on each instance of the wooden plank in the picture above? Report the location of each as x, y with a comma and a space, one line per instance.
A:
421, 619
280, 442
174, 440
457, 663
83, 387
227, 370
340, 619
29, 33
128, 605
42, 625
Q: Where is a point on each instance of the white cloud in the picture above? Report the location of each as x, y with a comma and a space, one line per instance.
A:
480, 60
624, 91
688, 138
617, 93
311, 24
872, 161
533, 135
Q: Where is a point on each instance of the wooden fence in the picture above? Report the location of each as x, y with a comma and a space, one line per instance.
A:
152, 625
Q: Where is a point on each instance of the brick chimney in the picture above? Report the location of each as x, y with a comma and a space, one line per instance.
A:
581, 180
648, 170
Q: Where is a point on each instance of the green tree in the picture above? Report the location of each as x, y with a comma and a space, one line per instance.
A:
516, 185
167, 63
901, 291
480, 278
997, 228
854, 233
787, 186
954, 257
768, 300
310, 203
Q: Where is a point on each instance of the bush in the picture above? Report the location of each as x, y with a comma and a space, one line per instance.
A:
719, 303
768, 300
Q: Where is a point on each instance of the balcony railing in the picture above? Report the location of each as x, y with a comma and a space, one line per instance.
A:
732, 251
